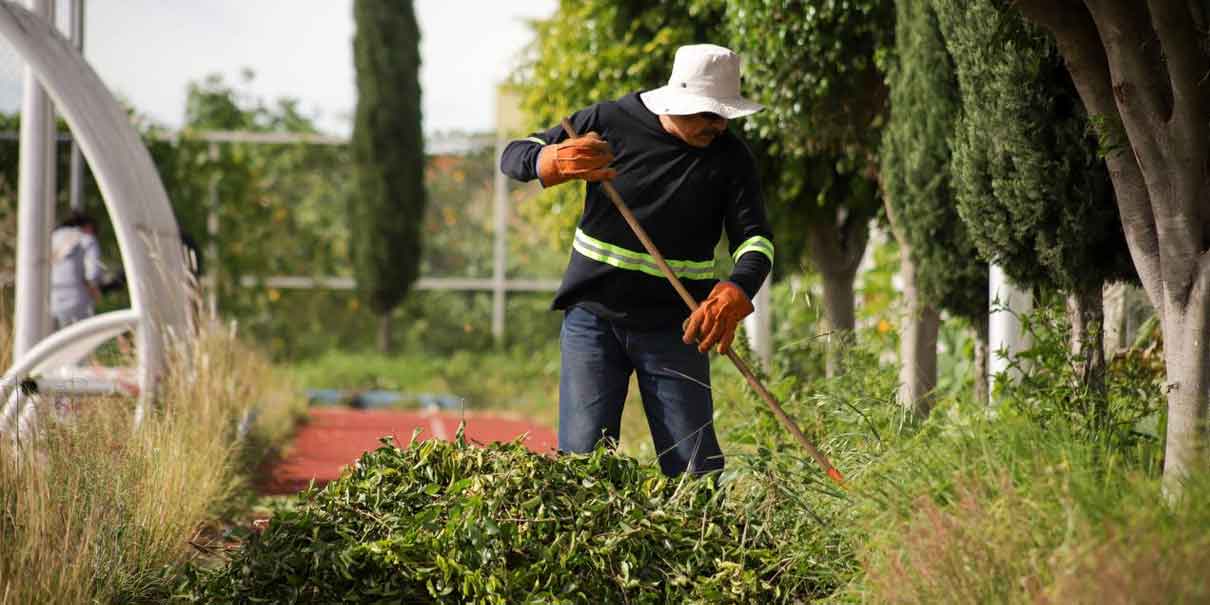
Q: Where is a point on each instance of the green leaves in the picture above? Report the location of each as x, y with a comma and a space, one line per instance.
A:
452, 523
813, 66
915, 164
1028, 179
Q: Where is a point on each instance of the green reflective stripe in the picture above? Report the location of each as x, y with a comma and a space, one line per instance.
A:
535, 140
637, 261
755, 244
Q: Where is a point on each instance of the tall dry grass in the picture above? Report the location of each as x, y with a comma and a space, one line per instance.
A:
1011, 512
92, 510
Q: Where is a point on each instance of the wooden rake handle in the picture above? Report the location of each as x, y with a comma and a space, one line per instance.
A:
740, 365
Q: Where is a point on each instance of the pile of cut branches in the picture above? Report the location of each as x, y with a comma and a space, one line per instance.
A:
449, 522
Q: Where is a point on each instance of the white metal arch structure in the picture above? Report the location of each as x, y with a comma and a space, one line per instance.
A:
146, 229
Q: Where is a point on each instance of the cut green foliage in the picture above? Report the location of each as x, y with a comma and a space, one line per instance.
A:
452, 523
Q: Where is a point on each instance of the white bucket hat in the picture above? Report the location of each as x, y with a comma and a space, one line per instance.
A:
705, 77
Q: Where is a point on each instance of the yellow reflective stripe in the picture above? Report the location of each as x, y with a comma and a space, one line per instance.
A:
535, 140
630, 260
678, 266
755, 244
631, 255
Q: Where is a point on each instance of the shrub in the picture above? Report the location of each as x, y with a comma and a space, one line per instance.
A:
1051, 389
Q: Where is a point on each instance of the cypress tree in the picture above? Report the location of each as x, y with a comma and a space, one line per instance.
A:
940, 267
1032, 185
387, 212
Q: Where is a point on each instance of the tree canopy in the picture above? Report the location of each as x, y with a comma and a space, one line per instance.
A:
814, 66
915, 165
1031, 183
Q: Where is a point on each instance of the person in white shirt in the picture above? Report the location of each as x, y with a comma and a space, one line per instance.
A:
76, 270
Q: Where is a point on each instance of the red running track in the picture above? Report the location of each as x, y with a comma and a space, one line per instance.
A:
334, 438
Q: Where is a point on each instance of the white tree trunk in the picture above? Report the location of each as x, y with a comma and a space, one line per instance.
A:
1007, 303
982, 391
759, 324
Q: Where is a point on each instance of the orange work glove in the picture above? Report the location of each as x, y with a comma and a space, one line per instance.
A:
715, 320
583, 157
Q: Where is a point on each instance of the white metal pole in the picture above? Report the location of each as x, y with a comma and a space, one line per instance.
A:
35, 209
212, 227
76, 29
500, 248
759, 323
1005, 336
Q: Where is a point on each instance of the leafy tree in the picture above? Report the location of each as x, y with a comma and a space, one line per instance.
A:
813, 65
277, 207
1140, 69
940, 266
1032, 188
388, 151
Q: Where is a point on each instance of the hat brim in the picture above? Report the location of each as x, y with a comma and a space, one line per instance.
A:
667, 100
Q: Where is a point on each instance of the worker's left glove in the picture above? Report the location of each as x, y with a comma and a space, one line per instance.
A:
715, 320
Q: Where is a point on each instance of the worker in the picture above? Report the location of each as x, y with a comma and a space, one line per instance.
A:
687, 178
77, 274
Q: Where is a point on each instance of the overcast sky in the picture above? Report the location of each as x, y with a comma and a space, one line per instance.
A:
147, 50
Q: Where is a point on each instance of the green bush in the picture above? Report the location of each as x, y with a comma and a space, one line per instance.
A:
450, 523
1051, 390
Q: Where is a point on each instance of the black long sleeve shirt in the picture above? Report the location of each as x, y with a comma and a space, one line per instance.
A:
684, 197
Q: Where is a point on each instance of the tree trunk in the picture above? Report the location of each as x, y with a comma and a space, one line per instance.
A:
1160, 179
838, 318
1117, 330
1086, 315
1187, 357
386, 342
836, 251
917, 343
982, 390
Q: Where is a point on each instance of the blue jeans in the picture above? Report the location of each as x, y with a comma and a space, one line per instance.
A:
598, 357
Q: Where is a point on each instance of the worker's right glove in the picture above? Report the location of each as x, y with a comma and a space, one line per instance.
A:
716, 319
583, 157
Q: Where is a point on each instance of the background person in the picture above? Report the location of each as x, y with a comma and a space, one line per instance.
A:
76, 270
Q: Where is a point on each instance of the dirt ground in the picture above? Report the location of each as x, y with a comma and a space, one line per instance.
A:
333, 438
